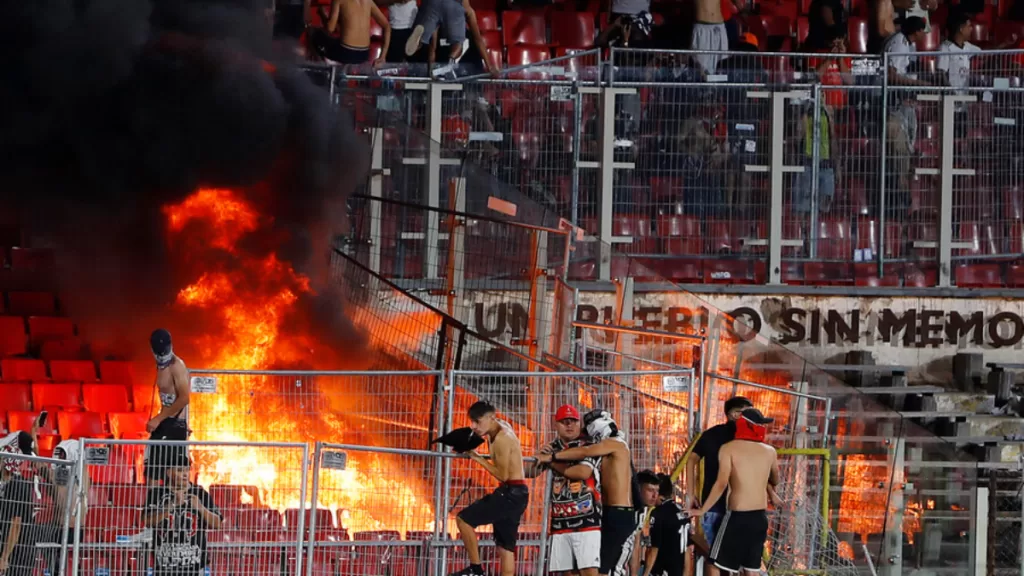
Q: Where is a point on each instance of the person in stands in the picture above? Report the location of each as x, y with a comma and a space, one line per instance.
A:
17, 551
172, 385
351, 20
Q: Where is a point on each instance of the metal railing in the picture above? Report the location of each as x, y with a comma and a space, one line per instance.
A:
777, 168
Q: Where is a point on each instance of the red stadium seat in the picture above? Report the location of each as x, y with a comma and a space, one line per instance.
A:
117, 372
980, 33
930, 40
827, 273
105, 398
918, 277
835, 242
143, 398
858, 30
978, 276
376, 31
63, 395
1015, 275
728, 272
32, 260
73, 370
32, 304
261, 524
15, 398
522, 54
23, 370
82, 425
129, 425
520, 27
776, 24
42, 328
1016, 238
637, 227
866, 274
376, 49
803, 27
680, 235
487, 20
127, 495
234, 497
574, 29
48, 436
374, 559
920, 233
64, 348
13, 340
683, 270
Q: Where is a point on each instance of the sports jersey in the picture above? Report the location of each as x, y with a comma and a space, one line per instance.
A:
576, 504
668, 535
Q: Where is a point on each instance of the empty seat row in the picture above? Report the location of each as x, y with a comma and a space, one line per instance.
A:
26, 303
33, 370
68, 425
75, 397
17, 334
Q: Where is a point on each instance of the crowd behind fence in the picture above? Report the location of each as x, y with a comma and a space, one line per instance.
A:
385, 497
793, 168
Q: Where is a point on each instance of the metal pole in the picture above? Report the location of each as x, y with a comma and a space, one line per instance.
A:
376, 191
450, 385
980, 530
440, 511
78, 517
881, 170
302, 517
330, 89
777, 183
541, 563
74, 490
815, 161
317, 457
577, 139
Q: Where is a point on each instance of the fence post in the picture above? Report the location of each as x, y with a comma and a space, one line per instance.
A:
435, 116
377, 174
980, 530
75, 556
314, 497
946, 244
815, 161
607, 165
577, 138
884, 130
545, 524
74, 489
777, 183
455, 280
302, 516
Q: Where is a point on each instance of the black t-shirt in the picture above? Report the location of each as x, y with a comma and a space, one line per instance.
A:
710, 442
668, 531
15, 502
179, 542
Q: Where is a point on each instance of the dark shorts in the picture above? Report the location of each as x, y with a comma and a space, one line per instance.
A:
448, 15
329, 48
502, 509
618, 534
739, 544
169, 429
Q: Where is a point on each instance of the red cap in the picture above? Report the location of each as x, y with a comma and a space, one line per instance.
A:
567, 411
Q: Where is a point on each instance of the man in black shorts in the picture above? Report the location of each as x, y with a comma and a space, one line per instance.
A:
502, 509
669, 531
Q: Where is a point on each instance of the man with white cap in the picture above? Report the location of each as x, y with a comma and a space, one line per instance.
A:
618, 516
17, 554
575, 500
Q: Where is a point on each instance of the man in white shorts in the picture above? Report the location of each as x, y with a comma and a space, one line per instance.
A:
575, 501
709, 34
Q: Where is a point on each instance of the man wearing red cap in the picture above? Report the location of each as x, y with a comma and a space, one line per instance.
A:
575, 500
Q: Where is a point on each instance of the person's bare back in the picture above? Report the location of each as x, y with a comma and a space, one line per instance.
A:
354, 18
751, 466
508, 454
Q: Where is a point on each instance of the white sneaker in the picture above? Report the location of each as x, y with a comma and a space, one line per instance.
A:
413, 43
465, 47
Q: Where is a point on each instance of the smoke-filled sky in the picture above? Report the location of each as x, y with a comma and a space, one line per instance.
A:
110, 109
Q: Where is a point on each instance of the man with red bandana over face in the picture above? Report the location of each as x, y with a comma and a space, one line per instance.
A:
748, 468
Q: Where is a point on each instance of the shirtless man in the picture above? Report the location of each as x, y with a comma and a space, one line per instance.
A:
171, 423
883, 21
748, 468
709, 34
619, 518
353, 43
503, 508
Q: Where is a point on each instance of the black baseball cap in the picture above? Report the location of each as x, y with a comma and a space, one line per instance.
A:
755, 416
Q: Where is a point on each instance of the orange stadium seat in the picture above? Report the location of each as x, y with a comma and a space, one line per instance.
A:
64, 348
105, 398
73, 370
62, 395
13, 340
23, 370
15, 398
42, 328
520, 27
127, 495
48, 435
32, 303
117, 372
575, 29
128, 425
143, 398
82, 425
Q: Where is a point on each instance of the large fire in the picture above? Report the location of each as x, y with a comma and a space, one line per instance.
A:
247, 304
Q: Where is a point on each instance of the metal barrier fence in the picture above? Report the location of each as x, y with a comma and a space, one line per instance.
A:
777, 168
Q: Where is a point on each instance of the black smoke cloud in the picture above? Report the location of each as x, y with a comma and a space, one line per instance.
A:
111, 109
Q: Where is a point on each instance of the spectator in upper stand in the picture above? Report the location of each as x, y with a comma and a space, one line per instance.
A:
828, 162
353, 44
826, 22
833, 70
901, 130
474, 59
401, 16
742, 116
709, 34
730, 11
627, 31
883, 22
957, 68
621, 8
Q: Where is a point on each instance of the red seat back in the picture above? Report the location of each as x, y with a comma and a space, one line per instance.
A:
105, 398
521, 27
32, 259
487, 20
522, 54
73, 370
23, 370
32, 303
574, 29
25, 421
82, 425
43, 327
13, 340
117, 372
63, 395
858, 35
834, 239
15, 398
128, 425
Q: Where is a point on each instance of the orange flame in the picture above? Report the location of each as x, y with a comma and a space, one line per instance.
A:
245, 302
